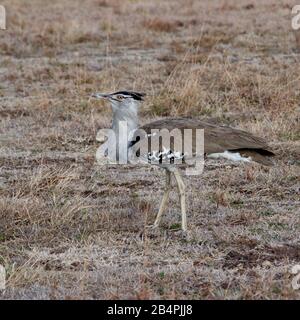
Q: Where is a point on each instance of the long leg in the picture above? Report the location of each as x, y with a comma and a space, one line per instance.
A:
181, 189
164, 199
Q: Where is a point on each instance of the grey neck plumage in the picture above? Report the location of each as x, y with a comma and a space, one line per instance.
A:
127, 115
124, 123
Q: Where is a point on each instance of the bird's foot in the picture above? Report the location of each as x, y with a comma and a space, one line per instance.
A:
149, 230
154, 230
179, 233
152, 226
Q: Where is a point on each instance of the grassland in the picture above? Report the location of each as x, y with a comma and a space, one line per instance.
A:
71, 229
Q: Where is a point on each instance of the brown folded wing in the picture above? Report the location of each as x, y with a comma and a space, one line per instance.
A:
218, 139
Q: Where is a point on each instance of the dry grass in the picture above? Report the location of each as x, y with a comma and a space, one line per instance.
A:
71, 229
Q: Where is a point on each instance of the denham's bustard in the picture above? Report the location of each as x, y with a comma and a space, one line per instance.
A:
219, 142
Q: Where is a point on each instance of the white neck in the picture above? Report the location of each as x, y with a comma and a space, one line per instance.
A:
124, 123
128, 115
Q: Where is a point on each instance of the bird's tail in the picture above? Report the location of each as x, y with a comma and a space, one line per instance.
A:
264, 159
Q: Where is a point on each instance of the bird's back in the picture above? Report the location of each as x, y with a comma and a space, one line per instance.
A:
218, 139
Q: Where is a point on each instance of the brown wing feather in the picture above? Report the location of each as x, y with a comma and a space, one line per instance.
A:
217, 138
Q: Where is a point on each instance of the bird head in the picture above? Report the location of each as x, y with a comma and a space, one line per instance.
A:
121, 100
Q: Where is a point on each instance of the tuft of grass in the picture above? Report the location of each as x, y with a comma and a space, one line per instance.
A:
175, 226
162, 25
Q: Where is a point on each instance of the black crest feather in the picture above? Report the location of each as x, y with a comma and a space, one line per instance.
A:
135, 95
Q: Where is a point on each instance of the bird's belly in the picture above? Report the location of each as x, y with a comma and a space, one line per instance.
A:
233, 156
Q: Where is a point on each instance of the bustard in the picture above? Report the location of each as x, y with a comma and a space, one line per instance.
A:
219, 142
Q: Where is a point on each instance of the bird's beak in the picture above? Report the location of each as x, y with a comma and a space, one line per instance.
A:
100, 96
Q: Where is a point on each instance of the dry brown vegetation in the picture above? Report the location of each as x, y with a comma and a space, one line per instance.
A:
71, 229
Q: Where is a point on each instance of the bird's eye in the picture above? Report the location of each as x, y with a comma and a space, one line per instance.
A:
120, 97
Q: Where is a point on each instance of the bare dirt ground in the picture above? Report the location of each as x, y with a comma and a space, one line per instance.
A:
73, 230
